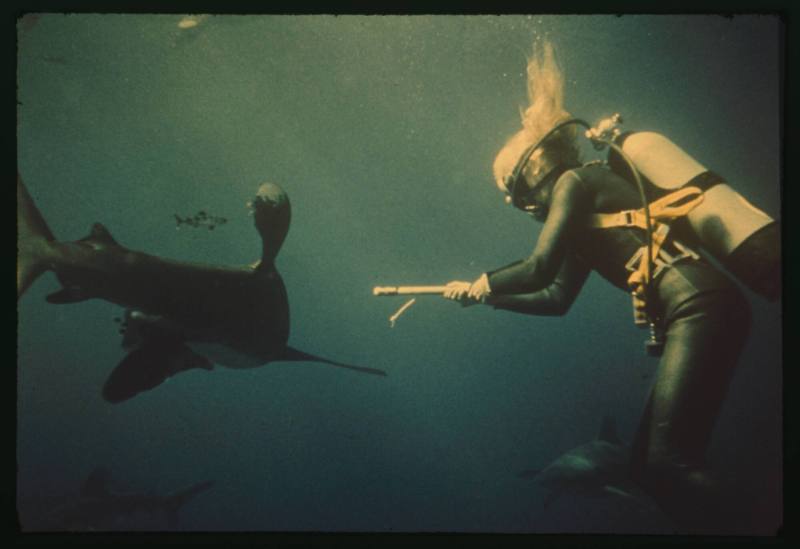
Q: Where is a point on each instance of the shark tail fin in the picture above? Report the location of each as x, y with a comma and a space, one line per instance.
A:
180, 498
295, 355
99, 237
33, 235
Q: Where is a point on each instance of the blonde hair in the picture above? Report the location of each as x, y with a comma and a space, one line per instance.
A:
546, 109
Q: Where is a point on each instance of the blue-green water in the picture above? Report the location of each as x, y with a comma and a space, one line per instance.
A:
382, 130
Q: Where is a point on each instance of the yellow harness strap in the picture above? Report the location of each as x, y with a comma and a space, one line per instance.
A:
662, 211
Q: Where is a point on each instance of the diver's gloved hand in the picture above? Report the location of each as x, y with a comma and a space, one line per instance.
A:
468, 293
480, 290
456, 290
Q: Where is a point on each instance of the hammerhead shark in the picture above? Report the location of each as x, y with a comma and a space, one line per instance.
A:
179, 315
98, 507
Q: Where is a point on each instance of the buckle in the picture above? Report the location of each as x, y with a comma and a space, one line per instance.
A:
633, 263
628, 217
658, 263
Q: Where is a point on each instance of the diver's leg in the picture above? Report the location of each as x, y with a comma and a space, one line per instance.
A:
699, 359
703, 342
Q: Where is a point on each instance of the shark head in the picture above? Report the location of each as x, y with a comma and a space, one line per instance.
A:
272, 213
270, 201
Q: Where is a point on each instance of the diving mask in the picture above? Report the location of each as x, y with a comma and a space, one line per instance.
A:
526, 198
518, 192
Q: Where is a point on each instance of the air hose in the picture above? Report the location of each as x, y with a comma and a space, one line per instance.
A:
603, 136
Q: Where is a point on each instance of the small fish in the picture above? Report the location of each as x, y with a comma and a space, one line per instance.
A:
200, 219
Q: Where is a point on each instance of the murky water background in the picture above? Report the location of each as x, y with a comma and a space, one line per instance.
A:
382, 130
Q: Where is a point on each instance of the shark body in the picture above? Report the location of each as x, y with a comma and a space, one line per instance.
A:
98, 508
179, 315
599, 468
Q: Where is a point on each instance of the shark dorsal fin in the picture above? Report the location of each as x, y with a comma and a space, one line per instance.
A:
96, 484
101, 235
608, 431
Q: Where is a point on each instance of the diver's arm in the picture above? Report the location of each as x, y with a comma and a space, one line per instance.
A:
568, 205
554, 300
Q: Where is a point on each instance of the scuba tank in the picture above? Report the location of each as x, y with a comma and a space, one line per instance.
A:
745, 240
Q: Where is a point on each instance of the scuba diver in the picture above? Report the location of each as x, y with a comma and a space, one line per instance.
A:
594, 219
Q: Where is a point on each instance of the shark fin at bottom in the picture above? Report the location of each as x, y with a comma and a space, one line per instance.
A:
295, 355
149, 365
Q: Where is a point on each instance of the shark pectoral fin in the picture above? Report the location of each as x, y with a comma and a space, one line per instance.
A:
294, 355
529, 473
148, 366
68, 294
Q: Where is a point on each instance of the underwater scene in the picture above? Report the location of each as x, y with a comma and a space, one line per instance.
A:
207, 203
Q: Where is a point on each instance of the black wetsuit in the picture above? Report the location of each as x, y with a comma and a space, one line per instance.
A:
704, 315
